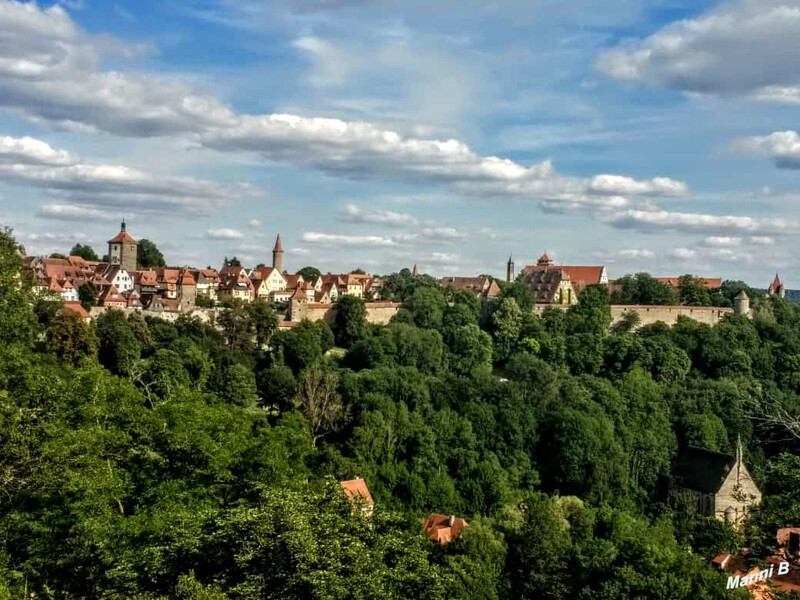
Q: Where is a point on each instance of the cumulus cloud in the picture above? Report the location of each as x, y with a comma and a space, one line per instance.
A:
224, 234
782, 147
683, 253
761, 240
356, 214
722, 241
50, 72
74, 212
663, 220
335, 239
83, 185
254, 223
741, 48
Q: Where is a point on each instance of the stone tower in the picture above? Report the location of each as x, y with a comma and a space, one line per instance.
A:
741, 304
510, 274
122, 250
188, 290
776, 288
277, 255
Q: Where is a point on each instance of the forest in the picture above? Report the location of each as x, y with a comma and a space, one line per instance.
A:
145, 459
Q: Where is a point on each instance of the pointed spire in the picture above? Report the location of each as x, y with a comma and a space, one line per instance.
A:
278, 246
414, 271
739, 453
123, 225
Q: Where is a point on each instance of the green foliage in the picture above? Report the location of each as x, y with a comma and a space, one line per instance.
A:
401, 286
351, 320
71, 339
85, 251
148, 256
309, 273
87, 294
191, 462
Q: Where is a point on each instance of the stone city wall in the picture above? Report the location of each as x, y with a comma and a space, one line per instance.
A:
709, 315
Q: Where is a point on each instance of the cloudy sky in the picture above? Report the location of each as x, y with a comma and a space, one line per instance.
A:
656, 135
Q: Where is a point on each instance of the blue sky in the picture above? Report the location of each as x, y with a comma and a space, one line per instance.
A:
656, 136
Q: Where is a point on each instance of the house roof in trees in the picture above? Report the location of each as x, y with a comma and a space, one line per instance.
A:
443, 528
76, 307
580, 275
481, 286
702, 470
357, 488
544, 283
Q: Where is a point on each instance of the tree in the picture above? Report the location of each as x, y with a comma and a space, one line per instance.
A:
351, 320
148, 255
319, 400
426, 306
402, 285
520, 292
277, 386
118, 347
85, 251
470, 350
238, 327
57, 255
70, 338
231, 262
309, 273
264, 319
506, 323
693, 291
87, 294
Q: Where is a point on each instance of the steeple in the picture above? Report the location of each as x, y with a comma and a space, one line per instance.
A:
510, 274
544, 260
277, 255
414, 271
776, 288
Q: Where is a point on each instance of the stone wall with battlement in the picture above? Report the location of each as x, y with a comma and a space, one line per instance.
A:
709, 315
379, 313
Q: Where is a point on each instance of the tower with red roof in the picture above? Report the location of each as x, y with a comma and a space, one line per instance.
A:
122, 250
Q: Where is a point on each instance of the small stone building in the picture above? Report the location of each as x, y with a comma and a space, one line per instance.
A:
715, 484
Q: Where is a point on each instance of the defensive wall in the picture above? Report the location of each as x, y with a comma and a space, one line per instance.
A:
710, 315
379, 313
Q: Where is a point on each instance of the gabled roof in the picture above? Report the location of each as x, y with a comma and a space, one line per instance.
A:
357, 488
702, 470
442, 528
76, 307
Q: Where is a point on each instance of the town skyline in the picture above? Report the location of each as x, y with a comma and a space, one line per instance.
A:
209, 123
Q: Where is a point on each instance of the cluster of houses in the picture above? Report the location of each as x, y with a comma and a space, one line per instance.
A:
119, 283
442, 529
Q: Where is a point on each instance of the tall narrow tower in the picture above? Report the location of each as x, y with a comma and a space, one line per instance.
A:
122, 250
277, 255
510, 274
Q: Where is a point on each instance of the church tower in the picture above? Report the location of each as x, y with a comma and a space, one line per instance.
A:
277, 255
122, 250
510, 275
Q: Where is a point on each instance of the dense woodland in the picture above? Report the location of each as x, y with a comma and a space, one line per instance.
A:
143, 459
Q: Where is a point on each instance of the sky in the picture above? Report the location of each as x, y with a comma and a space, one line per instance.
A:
656, 136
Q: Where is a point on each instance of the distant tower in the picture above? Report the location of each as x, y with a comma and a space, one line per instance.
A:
741, 304
414, 271
776, 288
544, 261
122, 250
510, 269
277, 255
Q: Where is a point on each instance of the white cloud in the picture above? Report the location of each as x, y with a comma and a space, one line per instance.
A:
683, 253
356, 214
722, 241
33, 163
636, 253
49, 72
74, 212
741, 48
224, 234
782, 147
762, 241
254, 223
663, 220
334, 239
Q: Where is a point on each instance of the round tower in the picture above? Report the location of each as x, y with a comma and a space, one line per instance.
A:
277, 255
741, 304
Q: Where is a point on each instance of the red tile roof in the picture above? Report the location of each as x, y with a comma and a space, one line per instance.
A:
76, 307
442, 528
357, 488
122, 236
711, 283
